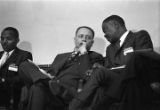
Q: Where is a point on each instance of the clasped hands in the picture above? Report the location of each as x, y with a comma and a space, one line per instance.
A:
81, 49
155, 86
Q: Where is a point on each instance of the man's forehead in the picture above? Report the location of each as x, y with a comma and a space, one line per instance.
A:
84, 31
109, 22
8, 32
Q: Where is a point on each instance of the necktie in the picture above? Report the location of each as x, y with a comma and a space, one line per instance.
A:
4, 59
118, 44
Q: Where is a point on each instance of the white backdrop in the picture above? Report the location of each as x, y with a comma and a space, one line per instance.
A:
47, 27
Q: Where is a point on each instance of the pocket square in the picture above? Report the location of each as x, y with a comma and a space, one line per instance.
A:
128, 50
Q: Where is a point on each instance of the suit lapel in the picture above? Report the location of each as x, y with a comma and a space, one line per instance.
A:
65, 58
127, 40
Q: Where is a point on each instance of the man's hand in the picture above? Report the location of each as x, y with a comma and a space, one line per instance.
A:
97, 65
156, 86
82, 48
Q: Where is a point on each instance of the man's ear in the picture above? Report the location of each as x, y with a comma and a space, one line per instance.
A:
92, 42
17, 40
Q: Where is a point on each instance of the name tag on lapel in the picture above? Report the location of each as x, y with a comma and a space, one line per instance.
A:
128, 50
13, 67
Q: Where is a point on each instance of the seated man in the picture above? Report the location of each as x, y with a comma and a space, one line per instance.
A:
10, 59
59, 85
106, 83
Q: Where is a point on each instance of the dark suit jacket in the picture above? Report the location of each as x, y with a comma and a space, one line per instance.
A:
12, 78
69, 73
63, 87
136, 41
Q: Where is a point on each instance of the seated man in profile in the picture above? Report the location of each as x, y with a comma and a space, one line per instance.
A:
125, 62
59, 84
10, 59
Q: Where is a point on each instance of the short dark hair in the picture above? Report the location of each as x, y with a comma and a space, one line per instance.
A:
16, 33
114, 18
89, 28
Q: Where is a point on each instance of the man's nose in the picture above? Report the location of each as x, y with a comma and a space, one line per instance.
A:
84, 39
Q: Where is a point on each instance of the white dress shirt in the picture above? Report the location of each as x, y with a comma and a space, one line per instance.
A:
4, 57
123, 37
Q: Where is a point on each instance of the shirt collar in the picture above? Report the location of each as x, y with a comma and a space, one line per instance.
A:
123, 37
10, 52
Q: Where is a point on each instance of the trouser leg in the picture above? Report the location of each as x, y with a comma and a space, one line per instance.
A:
37, 98
29, 73
41, 98
97, 81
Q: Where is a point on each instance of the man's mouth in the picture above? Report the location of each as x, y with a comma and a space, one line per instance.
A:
108, 38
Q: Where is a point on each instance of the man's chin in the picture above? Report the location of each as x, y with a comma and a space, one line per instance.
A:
6, 49
111, 41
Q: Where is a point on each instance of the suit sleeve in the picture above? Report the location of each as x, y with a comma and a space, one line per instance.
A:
96, 58
143, 40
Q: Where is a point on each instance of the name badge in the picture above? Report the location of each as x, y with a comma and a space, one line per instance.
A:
128, 50
13, 67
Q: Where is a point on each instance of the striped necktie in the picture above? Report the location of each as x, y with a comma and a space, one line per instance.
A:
4, 58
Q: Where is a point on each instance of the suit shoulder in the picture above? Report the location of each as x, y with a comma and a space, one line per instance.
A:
23, 54
23, 51
65, 53
62, 55
141, 32
95, 54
